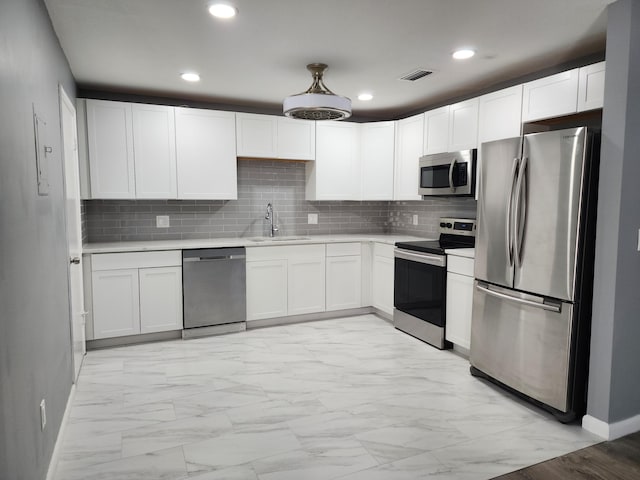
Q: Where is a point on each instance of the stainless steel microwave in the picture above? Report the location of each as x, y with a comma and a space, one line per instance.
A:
448, 174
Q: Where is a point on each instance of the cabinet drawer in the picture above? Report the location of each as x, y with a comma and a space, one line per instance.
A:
116, 261
383, 250
343, 249
461, 265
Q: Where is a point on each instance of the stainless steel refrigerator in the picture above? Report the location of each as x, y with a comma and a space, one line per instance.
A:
534, 266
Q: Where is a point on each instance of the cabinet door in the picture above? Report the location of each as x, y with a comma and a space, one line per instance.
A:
591, 87
382, 284
116, 306
459, 307
550, 96
266, 289
377, 145
160, 299
110, 144
206, 154
154, 149
335, 175
436, 131
463, 125
296, 139
344, 282
500, 115
409, 144
306, 285
256, 135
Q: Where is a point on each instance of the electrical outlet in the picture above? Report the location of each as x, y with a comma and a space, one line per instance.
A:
162, 221
312, 218
415, 219
43, 414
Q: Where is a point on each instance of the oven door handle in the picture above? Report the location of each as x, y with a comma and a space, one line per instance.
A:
436, 260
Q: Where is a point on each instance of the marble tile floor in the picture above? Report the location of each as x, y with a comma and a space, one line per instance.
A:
349, 399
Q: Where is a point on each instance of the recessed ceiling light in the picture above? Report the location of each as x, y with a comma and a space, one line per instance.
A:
365, 97
463, 54
190, 77
222, 10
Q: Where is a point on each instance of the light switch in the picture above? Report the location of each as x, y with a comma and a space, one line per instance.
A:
162, 221
312, 219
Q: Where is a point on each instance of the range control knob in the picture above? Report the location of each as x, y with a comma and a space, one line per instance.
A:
442, 224
449, 225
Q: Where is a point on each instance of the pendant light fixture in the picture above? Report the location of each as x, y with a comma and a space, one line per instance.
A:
318, 102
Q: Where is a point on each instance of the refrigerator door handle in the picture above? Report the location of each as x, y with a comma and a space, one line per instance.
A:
520, 211
531, 303
509, 229
451, 167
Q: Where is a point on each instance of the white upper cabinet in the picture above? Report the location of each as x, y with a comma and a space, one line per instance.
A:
552, 96
436, 130
206, 154
268, 136
154, 148
500, 114
591, 87
463, 125
409, 144
296, 139
451, 128
256, 135
377, 143
110, 145
335, 175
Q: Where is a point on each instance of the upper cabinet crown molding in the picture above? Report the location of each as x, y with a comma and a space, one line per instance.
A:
270, 136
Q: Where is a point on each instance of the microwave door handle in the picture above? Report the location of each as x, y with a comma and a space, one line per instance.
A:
451, 167
509, 222
520, 211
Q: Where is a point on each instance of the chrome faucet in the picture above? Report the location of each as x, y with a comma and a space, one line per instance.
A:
269, 216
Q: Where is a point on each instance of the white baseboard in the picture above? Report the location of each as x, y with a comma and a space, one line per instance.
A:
57, 449
611, 431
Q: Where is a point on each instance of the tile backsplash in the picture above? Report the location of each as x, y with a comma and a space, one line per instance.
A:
260, 182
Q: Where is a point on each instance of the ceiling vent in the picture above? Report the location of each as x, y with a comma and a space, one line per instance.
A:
416, 74
318, 102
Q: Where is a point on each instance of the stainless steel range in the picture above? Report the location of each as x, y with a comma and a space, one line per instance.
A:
420, 285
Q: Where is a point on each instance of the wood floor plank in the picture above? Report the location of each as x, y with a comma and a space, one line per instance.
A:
615, 460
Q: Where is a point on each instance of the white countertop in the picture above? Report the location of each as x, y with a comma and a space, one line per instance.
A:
154, 245
461, 252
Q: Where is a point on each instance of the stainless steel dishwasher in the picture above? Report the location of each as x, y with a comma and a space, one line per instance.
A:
214, 289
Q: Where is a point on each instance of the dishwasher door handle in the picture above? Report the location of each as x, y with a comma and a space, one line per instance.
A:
213, 259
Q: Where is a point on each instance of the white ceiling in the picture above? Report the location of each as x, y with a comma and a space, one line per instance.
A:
258, 58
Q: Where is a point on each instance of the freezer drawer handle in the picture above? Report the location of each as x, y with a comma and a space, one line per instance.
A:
436, 260
213, 259
544, 306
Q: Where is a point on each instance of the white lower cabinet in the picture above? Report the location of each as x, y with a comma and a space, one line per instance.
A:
266, 288
382, 278
285, 280
459, 300
344, 276
137, 292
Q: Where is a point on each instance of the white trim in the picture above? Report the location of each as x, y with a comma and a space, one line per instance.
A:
611, 431
57, 449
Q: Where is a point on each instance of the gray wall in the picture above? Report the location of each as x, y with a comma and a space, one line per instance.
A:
614, 385
260, 182
35, 350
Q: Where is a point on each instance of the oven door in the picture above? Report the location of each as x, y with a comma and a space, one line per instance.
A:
448, 174
420, 285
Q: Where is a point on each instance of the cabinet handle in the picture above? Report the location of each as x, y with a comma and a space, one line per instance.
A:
74, 260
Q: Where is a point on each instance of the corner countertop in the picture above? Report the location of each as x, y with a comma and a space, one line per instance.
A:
461, 252
157, 245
